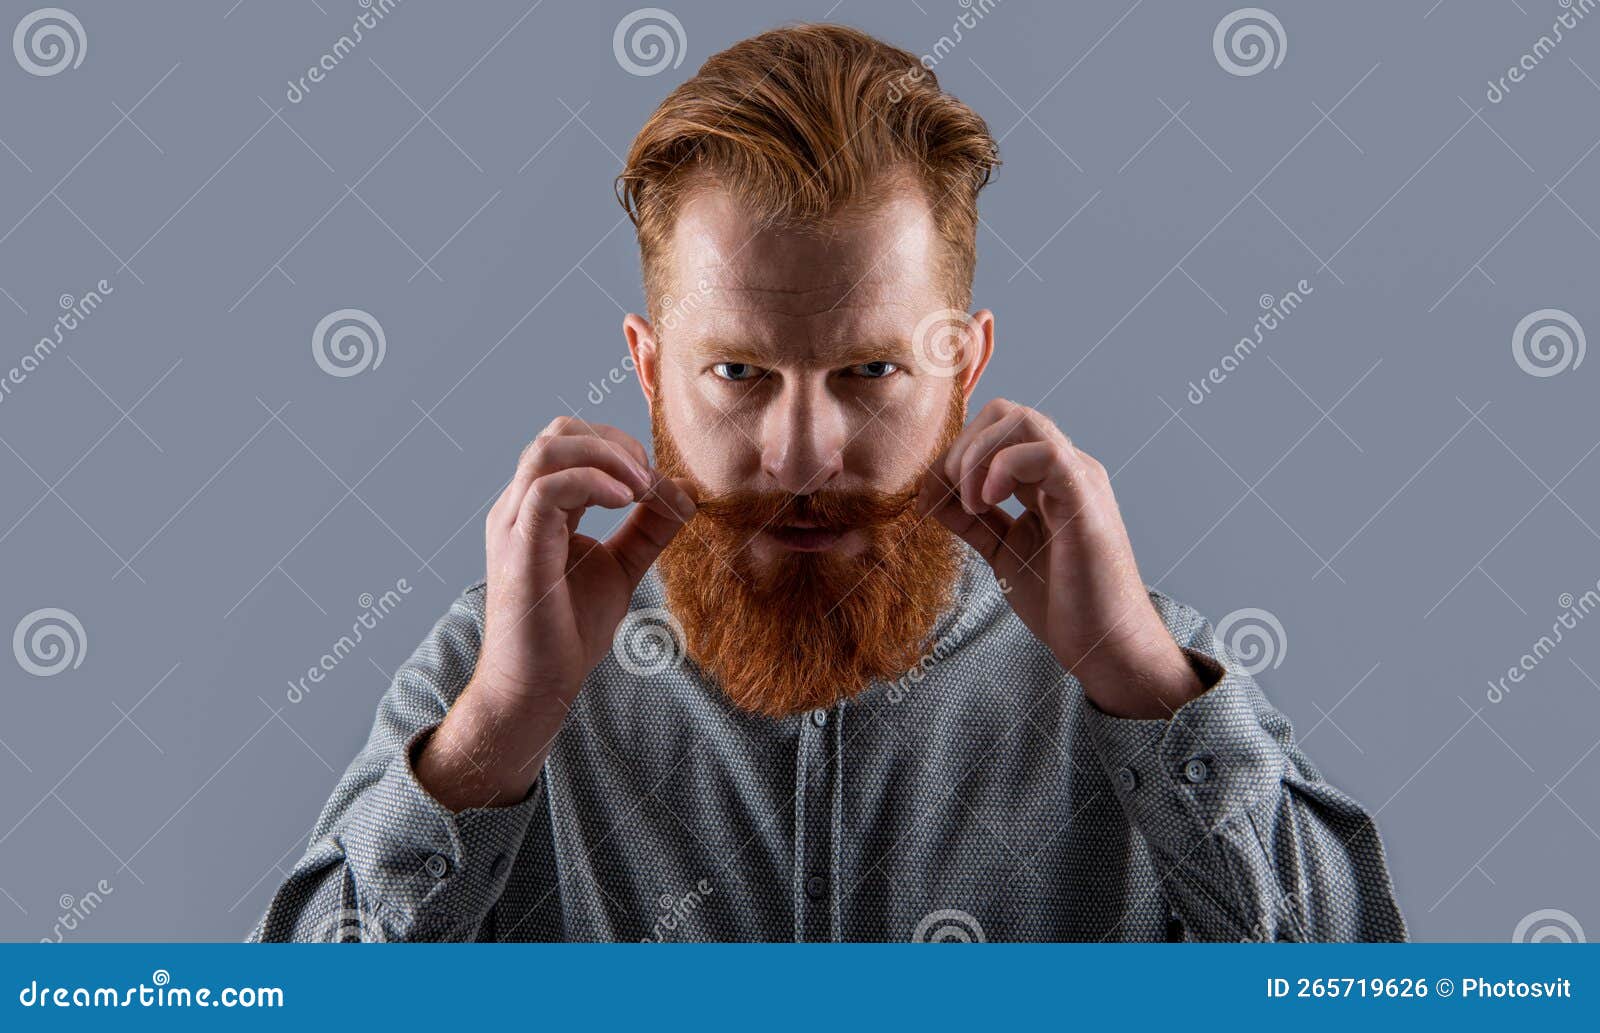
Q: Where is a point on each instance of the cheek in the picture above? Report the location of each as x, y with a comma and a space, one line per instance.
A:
715, 448
903, 436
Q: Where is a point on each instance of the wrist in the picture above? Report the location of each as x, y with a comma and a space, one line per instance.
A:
1146, 679
489, 749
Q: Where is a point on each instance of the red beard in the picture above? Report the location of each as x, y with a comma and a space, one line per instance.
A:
810, 628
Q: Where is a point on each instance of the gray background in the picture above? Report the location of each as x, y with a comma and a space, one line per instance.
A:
1381, 475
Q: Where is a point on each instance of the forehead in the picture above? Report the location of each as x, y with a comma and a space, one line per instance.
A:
866, 271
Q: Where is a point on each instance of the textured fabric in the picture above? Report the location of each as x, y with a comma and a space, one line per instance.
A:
983, 798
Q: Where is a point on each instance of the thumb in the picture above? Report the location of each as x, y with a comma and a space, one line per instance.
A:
654, 522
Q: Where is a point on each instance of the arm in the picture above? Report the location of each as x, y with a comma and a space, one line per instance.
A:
387, 860
1252, 843
421, 832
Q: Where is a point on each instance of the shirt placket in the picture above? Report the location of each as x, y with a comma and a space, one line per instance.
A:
816, 823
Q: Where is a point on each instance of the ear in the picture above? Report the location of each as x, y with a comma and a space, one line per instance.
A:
982, 345
641, 338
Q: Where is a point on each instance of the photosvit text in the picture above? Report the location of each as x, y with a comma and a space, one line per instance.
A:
1473, 987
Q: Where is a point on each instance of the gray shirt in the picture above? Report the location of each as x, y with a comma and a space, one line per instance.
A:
983, 797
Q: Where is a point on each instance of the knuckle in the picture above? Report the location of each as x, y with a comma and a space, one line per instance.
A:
539, 458
539, 495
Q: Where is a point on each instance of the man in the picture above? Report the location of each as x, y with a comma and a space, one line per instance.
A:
817, 684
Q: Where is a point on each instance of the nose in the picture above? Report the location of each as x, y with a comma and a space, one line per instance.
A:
803, 438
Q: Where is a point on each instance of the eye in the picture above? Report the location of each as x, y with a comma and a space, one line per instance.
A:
736, 371
875, 370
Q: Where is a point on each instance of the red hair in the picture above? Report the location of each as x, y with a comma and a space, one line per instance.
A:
801, 122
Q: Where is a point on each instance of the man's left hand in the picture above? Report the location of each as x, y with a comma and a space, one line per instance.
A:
1066, 561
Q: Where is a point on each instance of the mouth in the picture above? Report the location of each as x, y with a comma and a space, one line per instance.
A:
805, 538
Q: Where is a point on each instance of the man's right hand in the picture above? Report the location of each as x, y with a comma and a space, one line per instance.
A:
555, 598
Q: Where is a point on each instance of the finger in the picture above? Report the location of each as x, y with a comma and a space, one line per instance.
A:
992, 412
504, 511
986, 532
672, 498
980, 452
661, 493
642, 536
578, 426
669, 498
553, 498
1043, 465
562, 452
938, 480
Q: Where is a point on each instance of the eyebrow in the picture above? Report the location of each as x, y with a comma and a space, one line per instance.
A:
835, 355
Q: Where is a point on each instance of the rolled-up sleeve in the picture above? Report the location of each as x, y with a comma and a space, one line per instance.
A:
387, 861
1251, 842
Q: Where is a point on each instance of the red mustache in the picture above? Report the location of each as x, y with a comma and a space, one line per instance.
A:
836, 510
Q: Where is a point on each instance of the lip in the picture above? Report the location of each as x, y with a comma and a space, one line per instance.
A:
805, 539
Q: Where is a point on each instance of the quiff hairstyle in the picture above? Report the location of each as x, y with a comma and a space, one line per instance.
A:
803, 123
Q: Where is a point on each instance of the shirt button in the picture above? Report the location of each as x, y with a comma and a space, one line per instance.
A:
437, 866
1196, 770
1127, 779
815, 887
819, 717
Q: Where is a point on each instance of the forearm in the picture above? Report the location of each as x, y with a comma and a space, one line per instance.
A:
1149, 679
1252, 843
388, 859
487, 753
